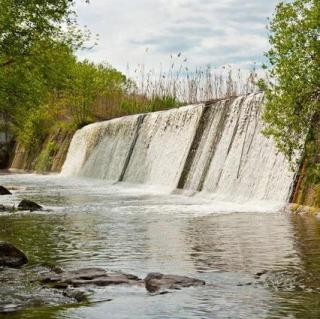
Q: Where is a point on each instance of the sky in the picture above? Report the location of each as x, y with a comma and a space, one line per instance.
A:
205, 32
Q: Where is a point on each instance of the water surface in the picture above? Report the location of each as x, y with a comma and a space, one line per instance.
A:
140, 230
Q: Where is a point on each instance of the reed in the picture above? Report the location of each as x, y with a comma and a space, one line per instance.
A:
156, 89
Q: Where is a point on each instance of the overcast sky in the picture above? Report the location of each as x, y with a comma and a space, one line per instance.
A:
214, 32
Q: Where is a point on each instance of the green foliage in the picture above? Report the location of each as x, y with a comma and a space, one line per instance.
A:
25, 22
35, 55
162, 103
292, 95
42, 85
134, 103
87, 83
34, 127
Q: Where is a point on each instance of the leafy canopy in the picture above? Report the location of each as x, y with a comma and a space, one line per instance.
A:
293, 92
25, 22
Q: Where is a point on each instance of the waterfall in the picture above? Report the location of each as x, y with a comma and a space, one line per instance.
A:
234, 160
101, 150
214, 148
162, 146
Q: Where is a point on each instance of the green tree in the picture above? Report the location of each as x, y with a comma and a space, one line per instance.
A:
26, 22
33, 84
37, 40
293, 92
87, 84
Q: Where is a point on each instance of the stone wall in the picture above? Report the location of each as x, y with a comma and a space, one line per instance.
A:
48, 157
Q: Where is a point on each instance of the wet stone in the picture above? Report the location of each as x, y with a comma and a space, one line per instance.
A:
4, 191
155, 282
90, 276
76, 294
26, 204
10, 256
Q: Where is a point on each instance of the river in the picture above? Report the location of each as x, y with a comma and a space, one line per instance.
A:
139, 229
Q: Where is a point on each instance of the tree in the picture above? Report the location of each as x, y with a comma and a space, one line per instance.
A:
293, 92
25, 22
88, 83
37, 40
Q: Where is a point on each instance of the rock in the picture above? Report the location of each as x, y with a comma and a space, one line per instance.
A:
90, 276
156, 281
260, 273
78, 295
26, 204
10, 256
52, 267
4, 191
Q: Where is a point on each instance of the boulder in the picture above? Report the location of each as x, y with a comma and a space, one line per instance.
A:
4, 191
155, 282
10, 256
26, 204
89, 276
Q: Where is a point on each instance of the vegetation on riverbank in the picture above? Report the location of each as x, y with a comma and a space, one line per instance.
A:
293, 94
44, 89
292, 110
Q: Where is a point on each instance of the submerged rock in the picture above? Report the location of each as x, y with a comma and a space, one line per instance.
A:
26, 204
53, 268
157, 281
260, 273
10, 256
4, 191
89, 276
76, 294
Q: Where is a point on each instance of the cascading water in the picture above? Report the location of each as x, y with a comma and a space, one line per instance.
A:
162, 146
215, 148
233, 160
245, 164
101, 150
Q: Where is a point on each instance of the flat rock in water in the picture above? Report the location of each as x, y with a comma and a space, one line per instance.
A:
10, 256
26, 204
4, 191
90, 276
155, 282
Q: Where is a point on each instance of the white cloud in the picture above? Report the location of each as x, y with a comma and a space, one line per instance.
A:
205, 31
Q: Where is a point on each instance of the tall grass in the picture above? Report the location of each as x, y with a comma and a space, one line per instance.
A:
188, 86
147, 90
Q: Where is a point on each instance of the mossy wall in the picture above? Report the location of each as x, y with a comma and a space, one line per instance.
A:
307, 188
49, 156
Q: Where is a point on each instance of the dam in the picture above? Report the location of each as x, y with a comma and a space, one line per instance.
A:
216, 148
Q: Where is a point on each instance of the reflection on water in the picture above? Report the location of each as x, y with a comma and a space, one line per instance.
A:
139, 231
